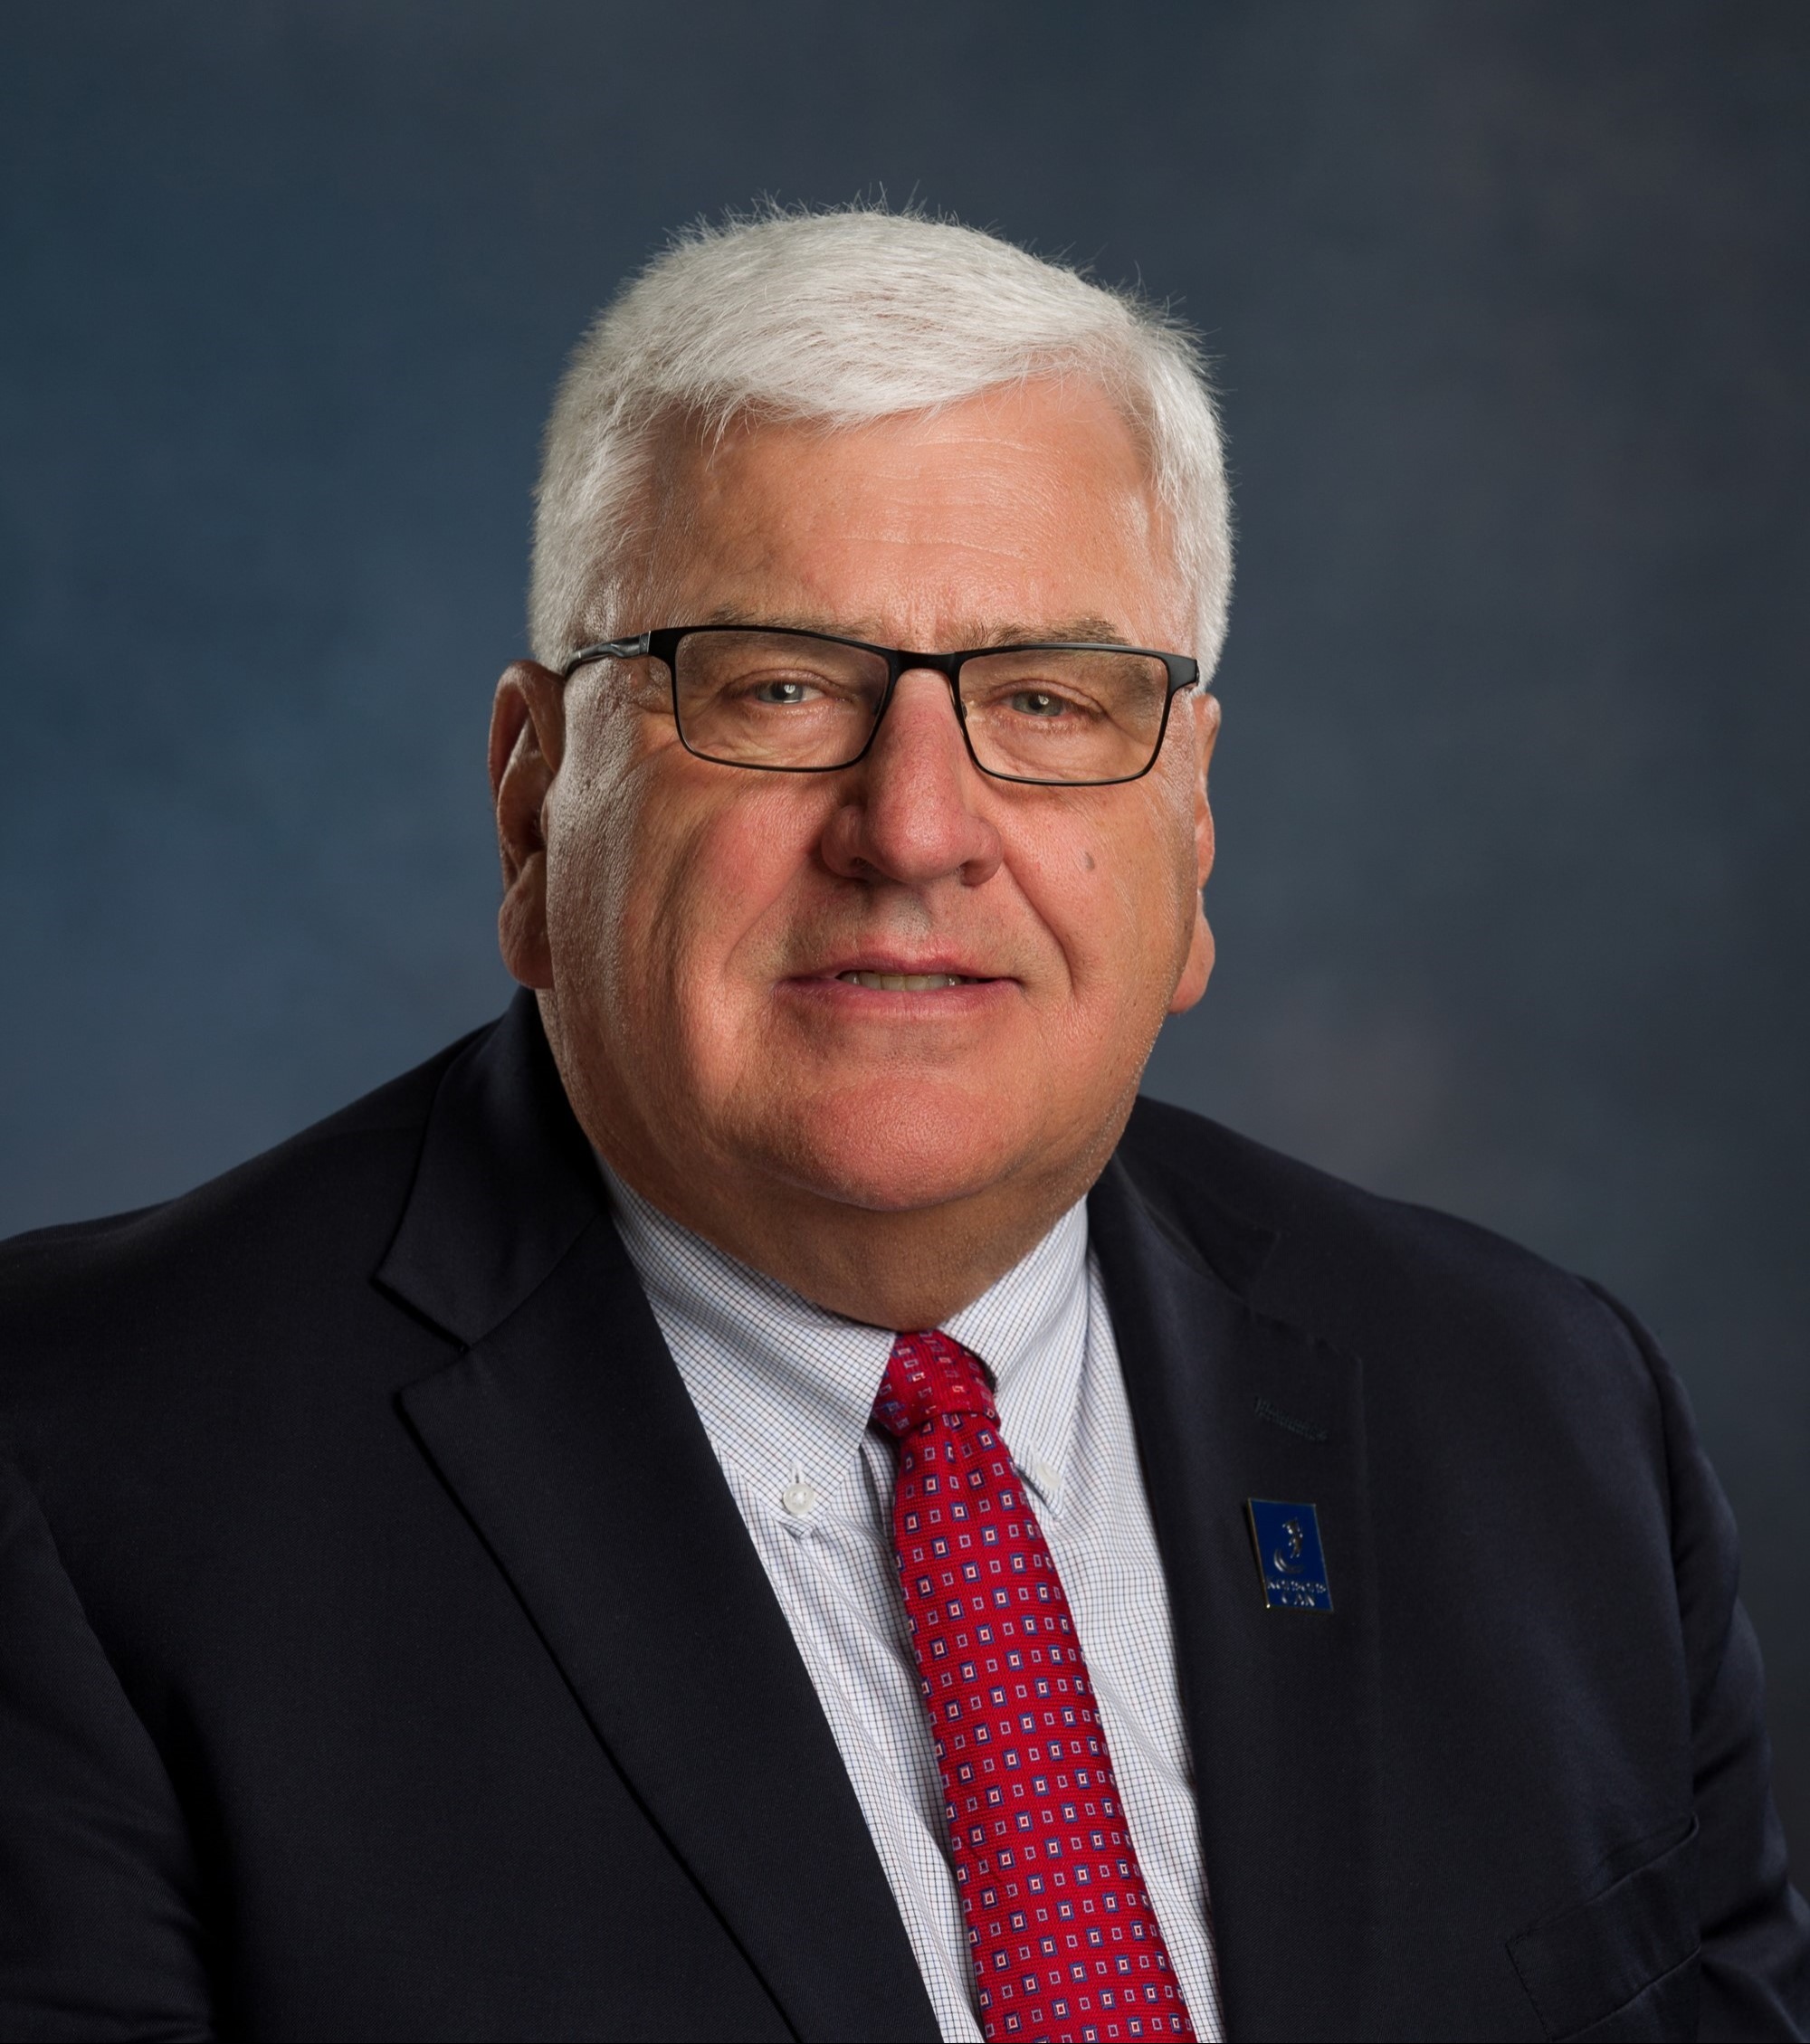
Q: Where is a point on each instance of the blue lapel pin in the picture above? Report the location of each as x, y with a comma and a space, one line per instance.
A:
1289, 1558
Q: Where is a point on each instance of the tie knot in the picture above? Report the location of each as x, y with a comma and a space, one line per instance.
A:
930, 1374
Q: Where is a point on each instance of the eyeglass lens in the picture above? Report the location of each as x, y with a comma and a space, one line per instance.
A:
770, 698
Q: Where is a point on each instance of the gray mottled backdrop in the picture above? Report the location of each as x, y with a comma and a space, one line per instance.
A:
1511, 305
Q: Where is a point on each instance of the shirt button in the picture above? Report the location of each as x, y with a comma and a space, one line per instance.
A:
799, 1500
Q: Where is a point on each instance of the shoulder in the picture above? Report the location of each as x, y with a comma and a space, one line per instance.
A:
1441, 1312
1185, 1165
136, 1298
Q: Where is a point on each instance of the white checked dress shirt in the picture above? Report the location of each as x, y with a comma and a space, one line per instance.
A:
785, 1392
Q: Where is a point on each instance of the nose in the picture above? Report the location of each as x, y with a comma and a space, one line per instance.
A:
911, 813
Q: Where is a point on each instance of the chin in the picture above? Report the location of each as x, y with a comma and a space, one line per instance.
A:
893, 1148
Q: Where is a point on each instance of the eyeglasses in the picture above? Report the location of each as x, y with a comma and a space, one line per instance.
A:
806, 702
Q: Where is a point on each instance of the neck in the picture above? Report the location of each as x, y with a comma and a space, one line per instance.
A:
900, 1271
903, 1270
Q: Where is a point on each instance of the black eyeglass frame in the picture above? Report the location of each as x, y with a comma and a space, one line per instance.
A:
662, 645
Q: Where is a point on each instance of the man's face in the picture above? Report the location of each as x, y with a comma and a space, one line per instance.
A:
698, 927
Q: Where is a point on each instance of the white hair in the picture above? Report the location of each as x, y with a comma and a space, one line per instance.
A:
842, 318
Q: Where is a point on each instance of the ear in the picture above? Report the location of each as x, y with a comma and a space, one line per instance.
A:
1195, 972
527, 741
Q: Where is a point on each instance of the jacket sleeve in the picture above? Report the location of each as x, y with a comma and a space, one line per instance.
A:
1756, 1928
100, 1932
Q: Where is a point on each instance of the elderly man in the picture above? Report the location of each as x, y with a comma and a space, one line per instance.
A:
766, 1495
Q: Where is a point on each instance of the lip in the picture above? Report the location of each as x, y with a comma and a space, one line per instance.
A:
899, 964
830, 978
826, 987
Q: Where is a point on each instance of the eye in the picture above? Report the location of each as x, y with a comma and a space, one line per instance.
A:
783, 695
1036, 702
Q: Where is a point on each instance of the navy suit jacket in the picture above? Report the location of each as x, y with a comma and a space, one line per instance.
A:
382, 1655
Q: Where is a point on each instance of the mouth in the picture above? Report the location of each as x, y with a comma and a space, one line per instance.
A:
888, 982
909, 983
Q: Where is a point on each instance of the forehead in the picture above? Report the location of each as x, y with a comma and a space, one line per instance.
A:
1022, 510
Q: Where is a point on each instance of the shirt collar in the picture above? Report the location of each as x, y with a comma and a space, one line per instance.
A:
786, 1390
1030, 1328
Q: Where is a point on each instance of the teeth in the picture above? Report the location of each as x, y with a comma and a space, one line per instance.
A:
905, 983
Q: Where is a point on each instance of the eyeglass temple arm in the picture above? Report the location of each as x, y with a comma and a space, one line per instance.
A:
607, 649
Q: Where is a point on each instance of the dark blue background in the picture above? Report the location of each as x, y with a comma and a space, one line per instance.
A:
1512, 306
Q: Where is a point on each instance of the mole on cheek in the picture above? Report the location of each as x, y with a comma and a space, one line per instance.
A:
1087, 861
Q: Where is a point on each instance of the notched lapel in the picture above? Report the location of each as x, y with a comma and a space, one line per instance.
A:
505, 1185
1230, 1405
565, 1434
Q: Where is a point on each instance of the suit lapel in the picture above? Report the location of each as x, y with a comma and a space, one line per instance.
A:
567, 1435
1230, 1405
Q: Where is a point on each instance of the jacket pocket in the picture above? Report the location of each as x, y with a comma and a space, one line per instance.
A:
1622, 1965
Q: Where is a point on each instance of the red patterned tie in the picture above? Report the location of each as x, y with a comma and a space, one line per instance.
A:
1062, 1936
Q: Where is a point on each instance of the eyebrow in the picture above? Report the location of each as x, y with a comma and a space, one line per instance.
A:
1062, 631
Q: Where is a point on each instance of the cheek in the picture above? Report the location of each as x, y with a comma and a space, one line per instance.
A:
663, 875
1114, 885
592, 822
